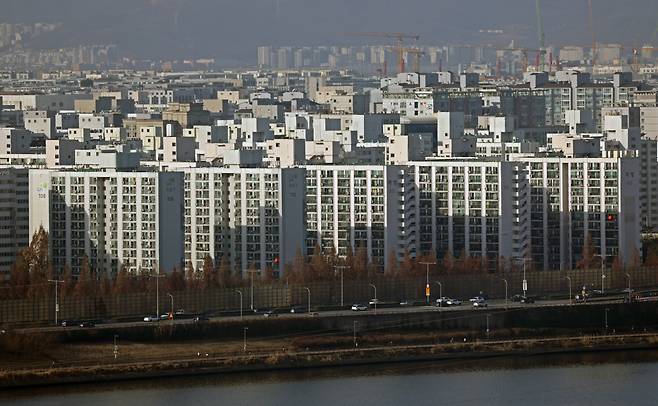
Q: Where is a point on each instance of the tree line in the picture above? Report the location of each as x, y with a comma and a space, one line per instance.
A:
32, 273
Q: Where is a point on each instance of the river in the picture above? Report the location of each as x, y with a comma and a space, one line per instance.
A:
618, 378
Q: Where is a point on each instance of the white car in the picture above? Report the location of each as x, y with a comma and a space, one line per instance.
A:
442, 301
357, 307
477, 299
480, 303
373, 302
453, 302
149, 319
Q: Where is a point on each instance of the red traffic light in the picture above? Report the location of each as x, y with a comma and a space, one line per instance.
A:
611, 217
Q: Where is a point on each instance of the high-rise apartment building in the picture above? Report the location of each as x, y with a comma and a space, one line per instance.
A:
253, 217
115, 219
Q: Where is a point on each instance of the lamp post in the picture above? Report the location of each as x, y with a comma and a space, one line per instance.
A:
506, 289
56, 282
603, 257
252, 272
568, 278
427, 280
628, 275
525, 281
309, 299
342, 290
172, 304
375, 288
157, 277
240, 293
606, 320
440, 288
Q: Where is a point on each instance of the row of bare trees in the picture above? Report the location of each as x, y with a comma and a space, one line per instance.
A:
32, 274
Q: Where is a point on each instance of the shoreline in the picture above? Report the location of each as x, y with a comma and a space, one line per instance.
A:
478, 350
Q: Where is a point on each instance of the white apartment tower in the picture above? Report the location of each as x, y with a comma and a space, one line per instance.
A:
253, 216
116, 219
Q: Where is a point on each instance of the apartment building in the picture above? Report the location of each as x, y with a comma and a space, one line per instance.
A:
572, 199
253, 216
131, 219
14, 221
355, 206
465, 207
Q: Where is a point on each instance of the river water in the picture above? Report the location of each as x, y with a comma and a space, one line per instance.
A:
622, 378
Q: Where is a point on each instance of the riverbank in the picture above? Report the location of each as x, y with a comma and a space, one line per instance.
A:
283, 360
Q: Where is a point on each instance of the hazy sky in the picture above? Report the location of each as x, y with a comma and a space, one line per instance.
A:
233, 28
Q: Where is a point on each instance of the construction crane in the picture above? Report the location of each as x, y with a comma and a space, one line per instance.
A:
635, 65
540, 34
397, 36
591, 27
417, 53
525, 52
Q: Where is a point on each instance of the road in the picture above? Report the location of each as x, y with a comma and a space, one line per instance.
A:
385, 309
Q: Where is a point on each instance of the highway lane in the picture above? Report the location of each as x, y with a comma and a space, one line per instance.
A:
385, 309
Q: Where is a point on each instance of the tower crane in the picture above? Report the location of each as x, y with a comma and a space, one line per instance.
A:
541, 35
397, 36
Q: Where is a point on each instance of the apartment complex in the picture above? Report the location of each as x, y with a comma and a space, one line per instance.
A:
115, 219
14, 221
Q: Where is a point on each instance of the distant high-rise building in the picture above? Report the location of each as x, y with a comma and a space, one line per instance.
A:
264, 57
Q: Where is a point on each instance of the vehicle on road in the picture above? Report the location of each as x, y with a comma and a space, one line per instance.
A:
406, 303
477, 299
270, 313
149, 319
454, 302
164, 316
480, 303
87, 324
373, 302
358, 307
527, 299
201, 318
298, 309
180, 312
442, 301
69, 323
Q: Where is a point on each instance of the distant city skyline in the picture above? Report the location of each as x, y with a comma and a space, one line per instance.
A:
231, 30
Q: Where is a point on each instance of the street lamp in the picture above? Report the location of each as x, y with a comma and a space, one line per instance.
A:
309, 299
56, 282
342, 291
375, 288
240, 293
606, 319
252, 272
525, 281
603, 257
506, 289
440, 288
427, 280
172, 304
568, 278
157, 277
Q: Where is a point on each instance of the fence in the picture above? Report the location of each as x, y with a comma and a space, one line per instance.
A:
280, 295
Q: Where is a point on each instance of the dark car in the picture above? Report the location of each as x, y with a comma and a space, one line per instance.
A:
298, 309
70, 323
87, 324
201, 318
527, 299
